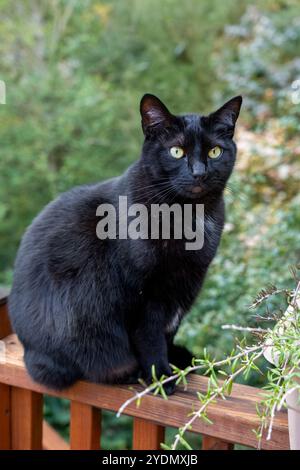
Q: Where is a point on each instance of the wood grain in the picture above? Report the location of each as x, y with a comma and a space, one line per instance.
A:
52, 440
233, 419
147, 435
211, 443
5, 417
85, 427
26, 419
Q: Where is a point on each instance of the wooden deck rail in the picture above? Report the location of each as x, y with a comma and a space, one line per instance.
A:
21, 410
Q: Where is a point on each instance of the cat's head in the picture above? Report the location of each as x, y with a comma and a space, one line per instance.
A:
192, 154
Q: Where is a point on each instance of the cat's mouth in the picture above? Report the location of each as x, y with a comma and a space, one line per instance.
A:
196, 189
192, 191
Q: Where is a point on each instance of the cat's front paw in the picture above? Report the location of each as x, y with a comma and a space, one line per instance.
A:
170, 387
165, 371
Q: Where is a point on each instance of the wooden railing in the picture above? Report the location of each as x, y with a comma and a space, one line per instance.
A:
21, 410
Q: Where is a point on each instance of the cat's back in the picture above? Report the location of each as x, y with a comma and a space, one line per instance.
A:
59, 247
65, 220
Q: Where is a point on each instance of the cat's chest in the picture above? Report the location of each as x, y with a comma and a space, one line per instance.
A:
177, 274
169, 264
173, 321
181, 255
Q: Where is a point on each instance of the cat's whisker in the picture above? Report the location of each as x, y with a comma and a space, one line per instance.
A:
149, 195
160, 194
155, 185
234, 193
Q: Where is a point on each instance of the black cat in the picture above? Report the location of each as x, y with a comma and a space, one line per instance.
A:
107, 310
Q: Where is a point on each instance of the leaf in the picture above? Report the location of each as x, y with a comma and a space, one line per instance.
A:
153, 372
200, 396
163, 393
206, 419
164, 446
229, 387
185, 443
221, 372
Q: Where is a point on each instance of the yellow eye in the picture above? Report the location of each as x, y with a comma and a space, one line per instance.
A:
215, 152
177, 152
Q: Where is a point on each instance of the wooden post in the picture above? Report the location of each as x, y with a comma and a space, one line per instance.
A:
5, 326
5, 417
26, 419
52, 440
85, 427
147, 435
212, 443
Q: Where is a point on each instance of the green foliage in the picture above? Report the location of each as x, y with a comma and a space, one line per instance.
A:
74, 73
265, 63
279, 344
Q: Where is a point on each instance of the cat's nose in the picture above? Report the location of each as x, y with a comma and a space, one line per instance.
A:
198, 170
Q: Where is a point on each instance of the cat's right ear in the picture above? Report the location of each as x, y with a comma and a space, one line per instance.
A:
227, 115
154, 113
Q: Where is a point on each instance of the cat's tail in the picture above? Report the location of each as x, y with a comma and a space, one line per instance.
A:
49, 372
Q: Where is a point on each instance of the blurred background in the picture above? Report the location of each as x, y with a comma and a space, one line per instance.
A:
75, 72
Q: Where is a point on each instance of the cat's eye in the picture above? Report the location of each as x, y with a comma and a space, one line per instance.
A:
177, 152
215, 152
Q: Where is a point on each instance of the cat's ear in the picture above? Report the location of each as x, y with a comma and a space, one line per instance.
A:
154, 113
228, 113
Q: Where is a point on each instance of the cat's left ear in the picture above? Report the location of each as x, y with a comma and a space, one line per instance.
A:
227, 115
154, 113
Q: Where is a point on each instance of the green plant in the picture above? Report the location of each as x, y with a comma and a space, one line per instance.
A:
282, 379
265, 65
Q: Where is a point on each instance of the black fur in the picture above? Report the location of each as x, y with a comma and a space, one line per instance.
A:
106, 310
